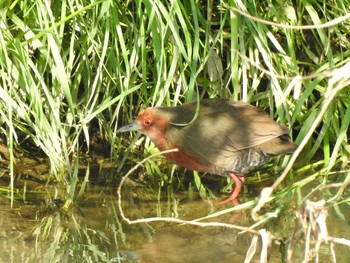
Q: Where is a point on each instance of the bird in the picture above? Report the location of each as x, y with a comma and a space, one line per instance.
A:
217, 136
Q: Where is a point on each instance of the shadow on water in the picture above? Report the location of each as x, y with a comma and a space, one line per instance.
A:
91, 230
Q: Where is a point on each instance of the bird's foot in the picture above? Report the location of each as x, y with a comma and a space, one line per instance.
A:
235, 201
239, 180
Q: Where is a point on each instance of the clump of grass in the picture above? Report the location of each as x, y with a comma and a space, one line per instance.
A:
64, 64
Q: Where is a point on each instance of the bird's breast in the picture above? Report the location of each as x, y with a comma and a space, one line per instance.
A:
184, 160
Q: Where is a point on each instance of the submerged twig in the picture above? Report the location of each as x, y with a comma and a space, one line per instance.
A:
312, 229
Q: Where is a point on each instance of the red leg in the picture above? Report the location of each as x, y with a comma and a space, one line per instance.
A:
239, 181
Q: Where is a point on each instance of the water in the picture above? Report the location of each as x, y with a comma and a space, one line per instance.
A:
92, 229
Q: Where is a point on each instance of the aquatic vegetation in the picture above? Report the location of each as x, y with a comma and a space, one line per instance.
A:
73, 72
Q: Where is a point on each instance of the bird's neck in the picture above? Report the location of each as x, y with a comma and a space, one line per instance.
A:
161, 144
157, 136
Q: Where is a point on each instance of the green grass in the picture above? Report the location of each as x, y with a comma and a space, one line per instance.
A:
69, 63
65, 64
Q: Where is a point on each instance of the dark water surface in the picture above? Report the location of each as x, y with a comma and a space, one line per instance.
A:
92, 230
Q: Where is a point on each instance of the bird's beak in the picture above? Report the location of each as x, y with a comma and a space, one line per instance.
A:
133, 126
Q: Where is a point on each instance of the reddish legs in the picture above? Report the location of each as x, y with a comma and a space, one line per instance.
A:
239, 181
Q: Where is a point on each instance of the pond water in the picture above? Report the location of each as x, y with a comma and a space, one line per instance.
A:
92, 228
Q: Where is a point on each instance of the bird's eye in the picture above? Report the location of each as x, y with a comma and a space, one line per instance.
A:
147, 122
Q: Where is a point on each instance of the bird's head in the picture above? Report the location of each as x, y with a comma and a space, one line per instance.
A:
151, 122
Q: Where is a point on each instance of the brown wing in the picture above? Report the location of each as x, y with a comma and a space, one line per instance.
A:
222, 130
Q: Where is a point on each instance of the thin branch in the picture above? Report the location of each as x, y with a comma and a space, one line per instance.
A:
338, 240
330, 23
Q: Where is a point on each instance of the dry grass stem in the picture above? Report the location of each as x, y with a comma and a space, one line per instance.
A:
338, 81
330, 23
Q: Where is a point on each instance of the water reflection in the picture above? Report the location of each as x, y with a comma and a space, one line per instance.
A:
93, 231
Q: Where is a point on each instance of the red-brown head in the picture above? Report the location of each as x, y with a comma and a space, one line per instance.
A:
152, 123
